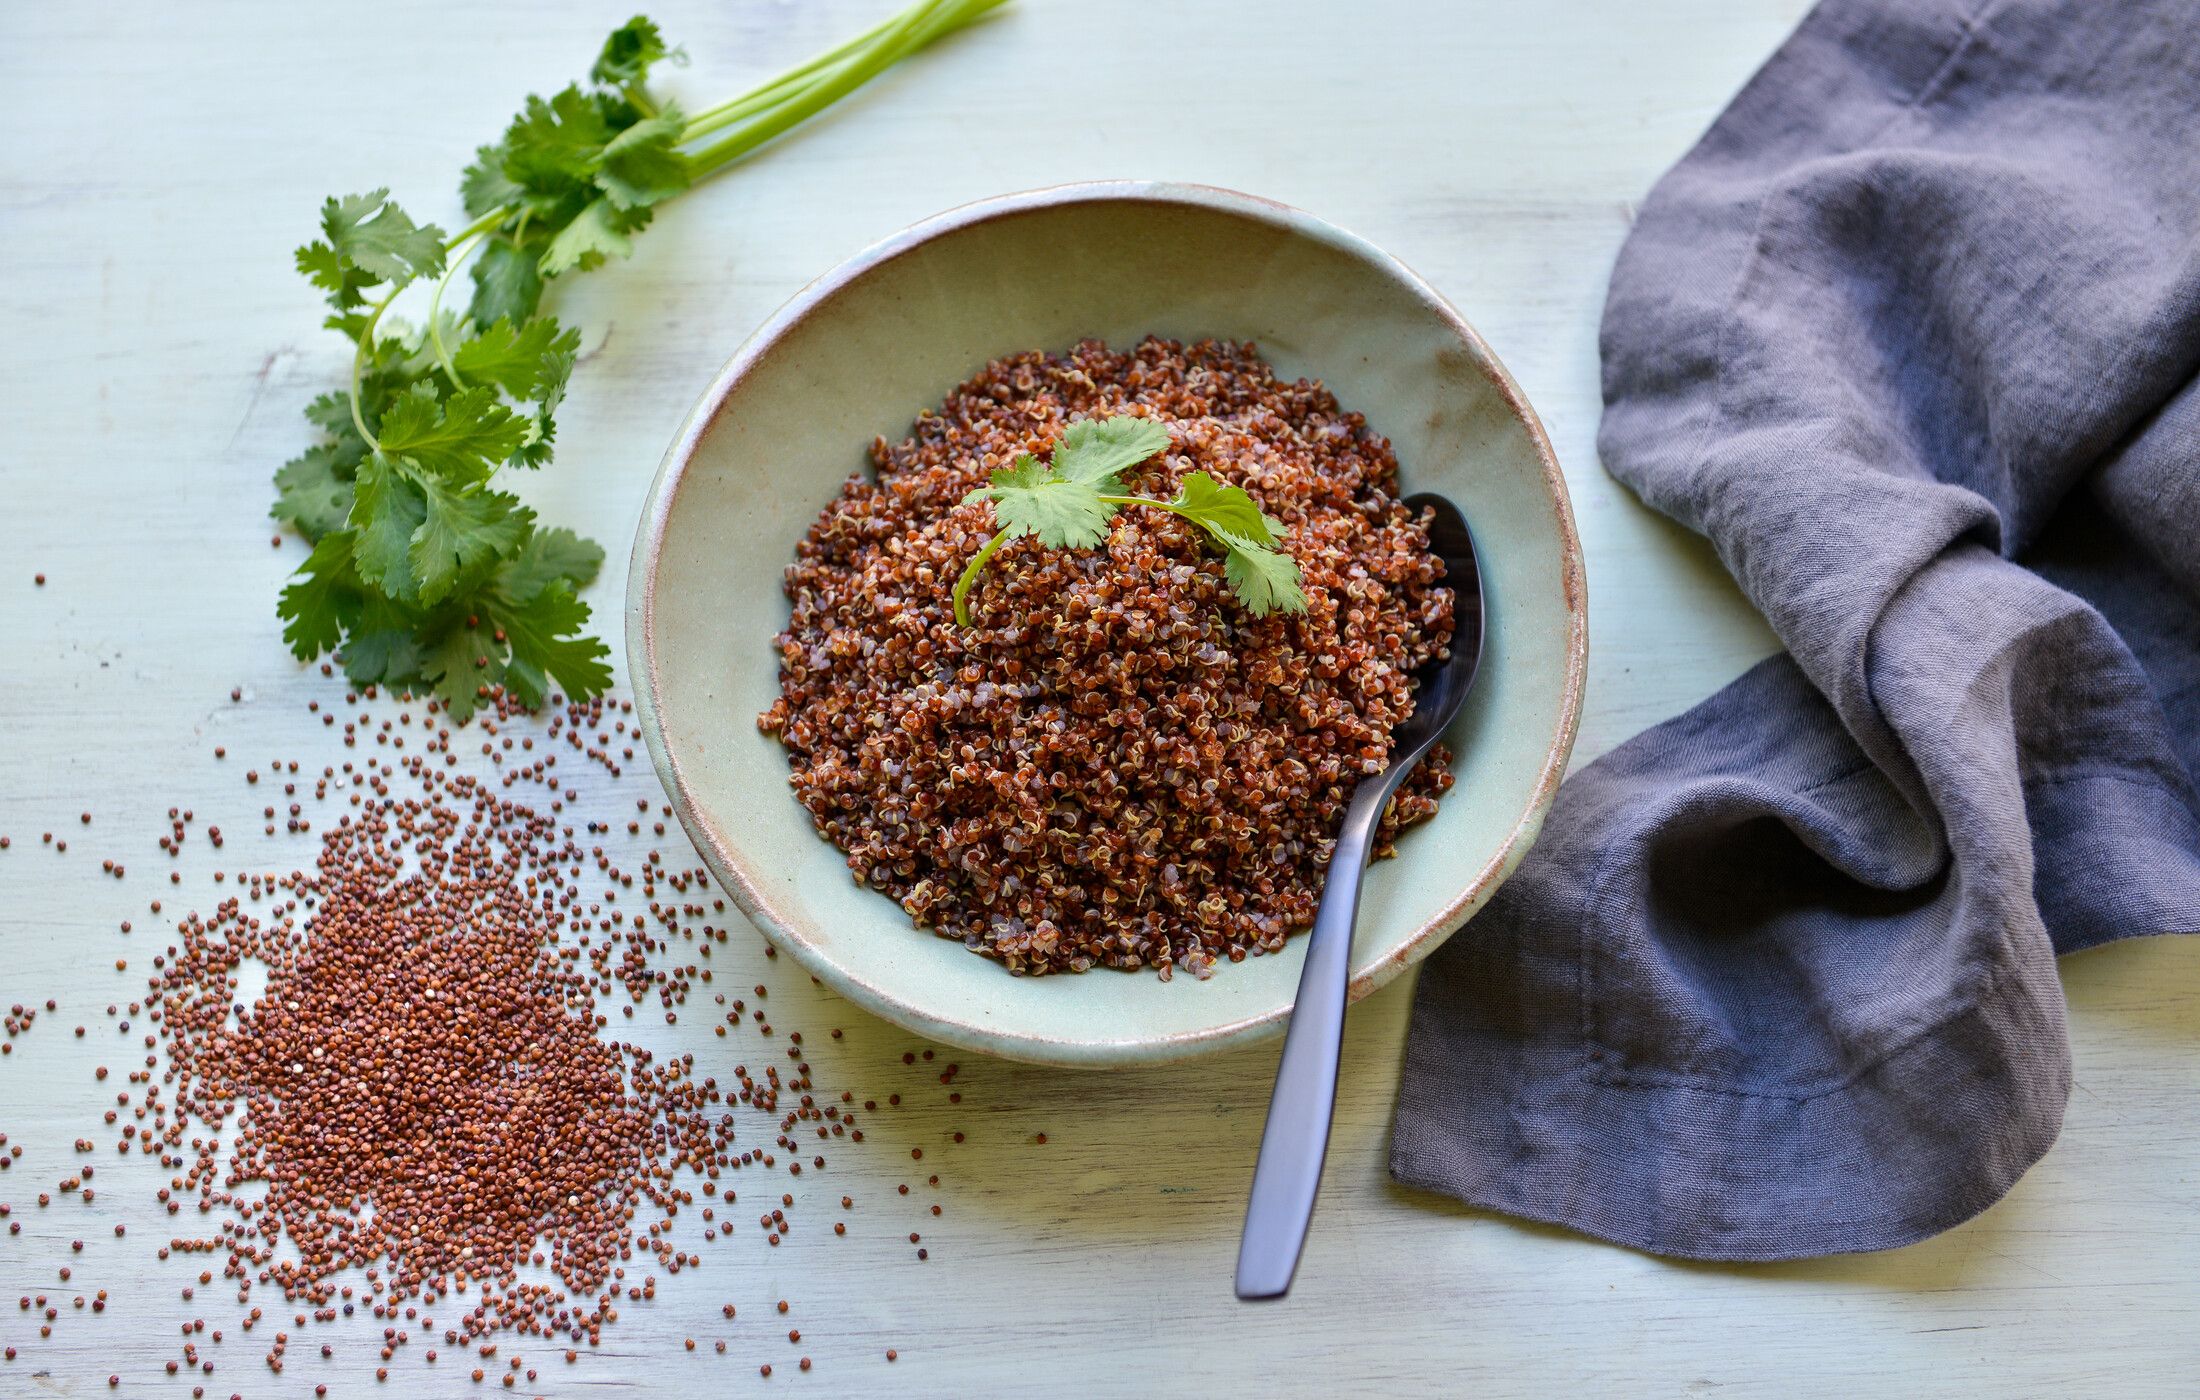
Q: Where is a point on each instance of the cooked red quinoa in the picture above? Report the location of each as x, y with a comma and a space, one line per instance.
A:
1117, 763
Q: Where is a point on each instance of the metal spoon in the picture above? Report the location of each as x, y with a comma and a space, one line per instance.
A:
1297, 1136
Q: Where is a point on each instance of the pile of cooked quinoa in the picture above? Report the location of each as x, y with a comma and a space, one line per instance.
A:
1117, 763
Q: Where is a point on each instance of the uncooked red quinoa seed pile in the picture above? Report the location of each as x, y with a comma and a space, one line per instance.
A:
1117, 764
422, 1116
422, 1082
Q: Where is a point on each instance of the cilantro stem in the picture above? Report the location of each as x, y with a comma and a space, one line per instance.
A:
483, 224
358, 363
837, 82
461, 249
970, 576
472, 231
903, 34
1170, 506
931, 24
756, 99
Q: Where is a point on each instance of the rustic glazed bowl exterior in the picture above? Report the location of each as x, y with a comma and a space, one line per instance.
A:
866, 347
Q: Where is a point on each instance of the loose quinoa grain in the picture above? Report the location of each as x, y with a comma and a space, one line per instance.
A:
1116, 764
422, 1117
423, 1051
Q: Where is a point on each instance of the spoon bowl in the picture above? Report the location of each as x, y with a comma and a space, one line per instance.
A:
1441, 686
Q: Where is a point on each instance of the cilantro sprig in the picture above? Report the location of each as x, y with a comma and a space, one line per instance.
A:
424, 573
1070, 502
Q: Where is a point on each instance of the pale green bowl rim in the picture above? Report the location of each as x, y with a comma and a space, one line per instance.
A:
717, 850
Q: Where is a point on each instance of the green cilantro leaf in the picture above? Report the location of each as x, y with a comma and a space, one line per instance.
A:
545, 637
386, 509
555, 372
466, 435
515, 360
507, 283
331, 413
642, 165
496, 634
483, 186
1266, 580
556, 369
1031, 499
460, 660
596, 233
313, 491
1225, 511
629, 52
1069, 503
546, 557
323, 598
370, 239
384, 645
463, 529
1097, 451
552, 146
325, 268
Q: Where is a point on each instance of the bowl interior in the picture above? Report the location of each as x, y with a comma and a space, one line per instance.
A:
868, 347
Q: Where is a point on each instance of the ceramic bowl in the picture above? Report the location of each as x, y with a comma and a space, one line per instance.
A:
888, 333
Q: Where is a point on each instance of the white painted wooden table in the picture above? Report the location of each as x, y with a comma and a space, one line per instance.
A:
155, 349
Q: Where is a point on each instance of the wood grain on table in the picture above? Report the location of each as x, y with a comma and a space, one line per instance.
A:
161, 163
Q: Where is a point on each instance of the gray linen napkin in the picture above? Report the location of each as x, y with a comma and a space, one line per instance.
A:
1911, 335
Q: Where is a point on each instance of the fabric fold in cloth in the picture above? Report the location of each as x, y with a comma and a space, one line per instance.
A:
1911, 336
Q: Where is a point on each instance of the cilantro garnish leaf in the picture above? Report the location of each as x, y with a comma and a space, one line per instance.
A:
1265, 579
1069, 504
1098, 450
1030, 498
1064, 503
1225, 511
